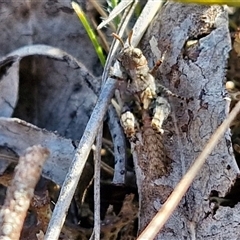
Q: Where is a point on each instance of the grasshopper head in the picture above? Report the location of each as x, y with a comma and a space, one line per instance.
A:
130, 58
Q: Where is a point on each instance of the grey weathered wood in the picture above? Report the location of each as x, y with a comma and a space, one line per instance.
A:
17, 135
52, 94
55, 100
47, 22
197, 71
9, 86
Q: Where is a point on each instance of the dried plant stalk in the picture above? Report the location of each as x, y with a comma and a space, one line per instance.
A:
21, 191
97, 176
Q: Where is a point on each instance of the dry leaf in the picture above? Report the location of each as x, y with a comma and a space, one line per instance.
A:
18, 135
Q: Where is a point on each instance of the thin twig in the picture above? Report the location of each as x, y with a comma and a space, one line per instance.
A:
97, 167
172, 202
78, 163
92, 236
20, 193
119, 147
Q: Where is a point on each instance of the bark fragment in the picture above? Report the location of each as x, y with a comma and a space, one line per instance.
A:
197, 73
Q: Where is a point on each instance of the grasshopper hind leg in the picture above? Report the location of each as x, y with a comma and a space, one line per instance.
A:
129, 124
161, 110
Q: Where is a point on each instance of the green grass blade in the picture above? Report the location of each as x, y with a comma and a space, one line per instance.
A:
90, 32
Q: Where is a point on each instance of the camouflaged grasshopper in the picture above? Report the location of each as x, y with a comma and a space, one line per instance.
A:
144, 110
141, 91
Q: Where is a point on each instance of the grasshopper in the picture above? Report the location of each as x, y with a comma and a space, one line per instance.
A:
141, 94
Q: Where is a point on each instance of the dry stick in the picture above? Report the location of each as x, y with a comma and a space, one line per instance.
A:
119, 140
78, 163
20, 192
97, 168
119, 147
172, 202
105, 167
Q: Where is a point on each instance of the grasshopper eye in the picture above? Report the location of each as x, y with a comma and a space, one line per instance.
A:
137, 53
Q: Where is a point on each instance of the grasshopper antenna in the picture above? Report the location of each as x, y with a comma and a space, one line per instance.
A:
130, 38
118, 38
